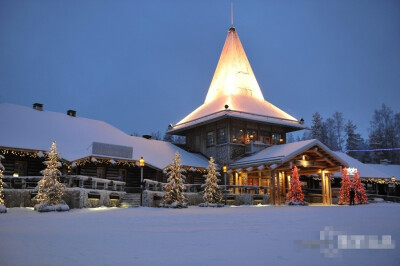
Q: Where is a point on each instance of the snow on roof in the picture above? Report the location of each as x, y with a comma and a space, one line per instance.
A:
234, 84
27, 128
364, 170
233, 75
239, 106
284, 152
392, 170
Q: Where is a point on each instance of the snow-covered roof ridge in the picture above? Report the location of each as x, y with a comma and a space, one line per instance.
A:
26, 128
363, 169
284, 152
392, 170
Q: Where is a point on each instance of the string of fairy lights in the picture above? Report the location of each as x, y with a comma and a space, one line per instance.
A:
126, 163
85, 161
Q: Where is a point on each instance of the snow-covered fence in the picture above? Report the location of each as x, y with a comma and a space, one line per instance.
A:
152, 185
74, 197
236, 195
94, 183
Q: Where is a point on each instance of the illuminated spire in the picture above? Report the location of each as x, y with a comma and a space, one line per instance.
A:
233, 75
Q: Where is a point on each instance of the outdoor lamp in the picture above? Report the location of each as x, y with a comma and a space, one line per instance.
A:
141, 162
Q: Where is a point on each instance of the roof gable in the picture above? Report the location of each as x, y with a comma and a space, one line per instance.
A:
285, 152
26, 128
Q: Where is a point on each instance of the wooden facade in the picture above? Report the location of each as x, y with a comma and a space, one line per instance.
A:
231, 138
23, 163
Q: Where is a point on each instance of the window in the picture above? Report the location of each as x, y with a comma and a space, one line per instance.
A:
237, 135
101, 172
277, 138
211, 138
221, 136
20, 168
265, 137
122, 174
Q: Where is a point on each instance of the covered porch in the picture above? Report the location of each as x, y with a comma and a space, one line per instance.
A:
270, 170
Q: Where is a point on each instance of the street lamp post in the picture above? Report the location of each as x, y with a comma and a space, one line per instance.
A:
224, 168
141, 164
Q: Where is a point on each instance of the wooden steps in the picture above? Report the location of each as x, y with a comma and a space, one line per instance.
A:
130, 200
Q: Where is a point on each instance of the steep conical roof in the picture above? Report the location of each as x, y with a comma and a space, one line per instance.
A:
233, 75
234, 91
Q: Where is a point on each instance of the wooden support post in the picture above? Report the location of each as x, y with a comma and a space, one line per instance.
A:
323, 184
278, 189
329, 190
272, 188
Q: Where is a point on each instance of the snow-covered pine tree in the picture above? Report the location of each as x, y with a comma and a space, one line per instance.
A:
295, 195
344, 193
50, 190
173, 197
212, 193
360, 194
3, 209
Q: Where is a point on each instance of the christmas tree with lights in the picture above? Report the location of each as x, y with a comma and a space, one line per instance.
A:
212, 193
173, 197
50, 190
295, 195
344, 193
360, 194
3, 208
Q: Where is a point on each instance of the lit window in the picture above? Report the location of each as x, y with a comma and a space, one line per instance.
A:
237, 135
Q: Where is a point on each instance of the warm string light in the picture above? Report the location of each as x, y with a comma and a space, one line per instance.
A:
212, 192
50, 190
295, 194
31, 154
1, 181
174, 188
89, 160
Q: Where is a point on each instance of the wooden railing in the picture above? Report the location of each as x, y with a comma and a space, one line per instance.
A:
195, 188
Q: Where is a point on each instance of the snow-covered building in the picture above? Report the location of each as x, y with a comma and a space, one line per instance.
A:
243, 131
87, 147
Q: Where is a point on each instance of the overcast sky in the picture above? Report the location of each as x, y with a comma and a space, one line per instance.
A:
140, 65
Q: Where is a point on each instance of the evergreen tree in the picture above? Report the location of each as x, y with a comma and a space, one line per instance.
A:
354, 140
212, 193
173, 196
289, 138
295, 195
331, 138
360, 194
344, 193
317, 128
383, 135
2, 207
339, 128
50, 189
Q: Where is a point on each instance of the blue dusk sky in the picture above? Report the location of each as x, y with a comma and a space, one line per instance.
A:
140, 65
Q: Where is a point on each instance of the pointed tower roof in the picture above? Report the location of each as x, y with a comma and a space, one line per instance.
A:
233, 75
234, 92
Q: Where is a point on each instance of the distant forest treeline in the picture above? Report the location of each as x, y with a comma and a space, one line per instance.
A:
340, 134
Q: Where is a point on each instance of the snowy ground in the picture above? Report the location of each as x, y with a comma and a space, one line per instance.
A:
268, 235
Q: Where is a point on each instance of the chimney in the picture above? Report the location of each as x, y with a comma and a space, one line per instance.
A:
147, 136
71, 113
38, 106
